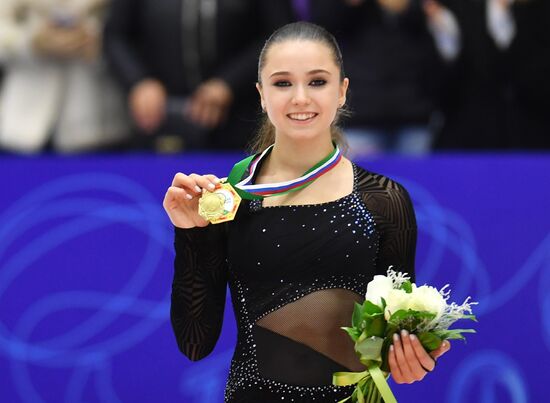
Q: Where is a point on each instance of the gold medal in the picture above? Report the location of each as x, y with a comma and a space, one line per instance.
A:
219, 205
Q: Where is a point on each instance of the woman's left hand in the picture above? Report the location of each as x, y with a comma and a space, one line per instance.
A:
409, 361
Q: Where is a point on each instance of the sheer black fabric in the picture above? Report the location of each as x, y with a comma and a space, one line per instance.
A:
294, 273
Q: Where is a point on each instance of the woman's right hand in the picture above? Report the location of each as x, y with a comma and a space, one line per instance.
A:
181, 201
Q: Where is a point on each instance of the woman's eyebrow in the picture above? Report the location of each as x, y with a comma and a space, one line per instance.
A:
310, 73
317, 71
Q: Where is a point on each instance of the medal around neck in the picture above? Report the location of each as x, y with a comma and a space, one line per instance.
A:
247, 190
220, 205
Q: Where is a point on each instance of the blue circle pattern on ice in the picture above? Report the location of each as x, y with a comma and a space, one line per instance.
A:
500, 265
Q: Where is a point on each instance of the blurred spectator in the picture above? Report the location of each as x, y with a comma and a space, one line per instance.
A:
500, 86
395, 70
189, 66
55, 87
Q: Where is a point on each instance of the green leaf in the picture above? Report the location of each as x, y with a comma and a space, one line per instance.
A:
362, 382
370, 348
353, 395
357, 316
384, 304
384, 353
407, 287
352, 332
410, 319
371, 309
367, 391
453, 334
376, 325
429, 340
399, 315
391, 328
360, 396
471, 317
422, 314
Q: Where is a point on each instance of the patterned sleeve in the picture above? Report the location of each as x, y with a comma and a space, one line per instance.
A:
393, 212
198, 289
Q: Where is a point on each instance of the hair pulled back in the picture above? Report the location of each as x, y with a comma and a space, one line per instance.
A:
298, 31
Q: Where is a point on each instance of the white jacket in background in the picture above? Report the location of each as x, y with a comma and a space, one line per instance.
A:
75, 101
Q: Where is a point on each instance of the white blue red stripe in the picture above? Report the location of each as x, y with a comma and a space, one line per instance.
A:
281, 187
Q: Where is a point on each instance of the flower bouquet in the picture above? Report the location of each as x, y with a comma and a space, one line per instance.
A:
393, 303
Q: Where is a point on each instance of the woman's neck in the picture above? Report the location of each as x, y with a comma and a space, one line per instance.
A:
292, 158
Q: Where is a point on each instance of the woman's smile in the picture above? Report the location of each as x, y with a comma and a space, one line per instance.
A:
302, 117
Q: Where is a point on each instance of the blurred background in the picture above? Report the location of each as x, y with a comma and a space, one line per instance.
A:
102, 101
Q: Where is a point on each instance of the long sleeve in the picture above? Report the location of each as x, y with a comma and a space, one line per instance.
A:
395, 220
198, 289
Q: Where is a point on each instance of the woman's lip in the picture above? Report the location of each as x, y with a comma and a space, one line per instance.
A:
314, 115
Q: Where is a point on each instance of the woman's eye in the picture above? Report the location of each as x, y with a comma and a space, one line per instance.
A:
317, 83
282, 84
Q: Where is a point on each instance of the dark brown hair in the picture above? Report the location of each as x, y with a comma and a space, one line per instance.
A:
297, 31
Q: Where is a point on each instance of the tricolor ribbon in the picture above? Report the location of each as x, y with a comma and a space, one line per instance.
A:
249, 191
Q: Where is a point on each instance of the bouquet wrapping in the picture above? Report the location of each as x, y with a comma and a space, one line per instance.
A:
393, 303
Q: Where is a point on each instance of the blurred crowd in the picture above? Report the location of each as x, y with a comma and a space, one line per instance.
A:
173, 75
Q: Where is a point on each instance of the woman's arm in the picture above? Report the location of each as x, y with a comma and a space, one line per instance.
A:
393, 212
396, 224
198, 289
200, 267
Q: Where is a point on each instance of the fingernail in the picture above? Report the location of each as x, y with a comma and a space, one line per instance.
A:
404, 333
395, 336
211, 186
412, 337
198, 189
188, 196
391, 347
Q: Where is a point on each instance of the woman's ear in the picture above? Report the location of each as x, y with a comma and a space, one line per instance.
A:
259, 88
343, 91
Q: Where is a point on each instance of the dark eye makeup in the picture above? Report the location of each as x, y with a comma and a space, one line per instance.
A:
313, 83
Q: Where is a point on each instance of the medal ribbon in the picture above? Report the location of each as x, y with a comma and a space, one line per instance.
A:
249, 191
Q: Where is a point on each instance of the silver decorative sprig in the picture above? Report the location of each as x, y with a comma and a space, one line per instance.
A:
397, 278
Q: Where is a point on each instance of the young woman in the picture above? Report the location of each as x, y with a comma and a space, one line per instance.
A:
295, 262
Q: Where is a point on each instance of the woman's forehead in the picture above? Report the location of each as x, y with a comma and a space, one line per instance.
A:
299, 56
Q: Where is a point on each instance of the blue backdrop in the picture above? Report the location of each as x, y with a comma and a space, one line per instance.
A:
86, 265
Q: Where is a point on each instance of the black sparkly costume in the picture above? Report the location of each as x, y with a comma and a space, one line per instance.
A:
294, 273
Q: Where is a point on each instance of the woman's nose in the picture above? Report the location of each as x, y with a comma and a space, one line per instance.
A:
301, 96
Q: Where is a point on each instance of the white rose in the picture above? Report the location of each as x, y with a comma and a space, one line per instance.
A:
378, 288
396, 300
426, 298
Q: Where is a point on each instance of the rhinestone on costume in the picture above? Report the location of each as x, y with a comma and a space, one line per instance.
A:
279, 284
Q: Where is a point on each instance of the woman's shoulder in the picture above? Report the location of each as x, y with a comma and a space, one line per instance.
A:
369, 181
386, 198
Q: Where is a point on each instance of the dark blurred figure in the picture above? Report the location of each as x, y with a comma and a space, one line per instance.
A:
395, 71
498, 95
189, 67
